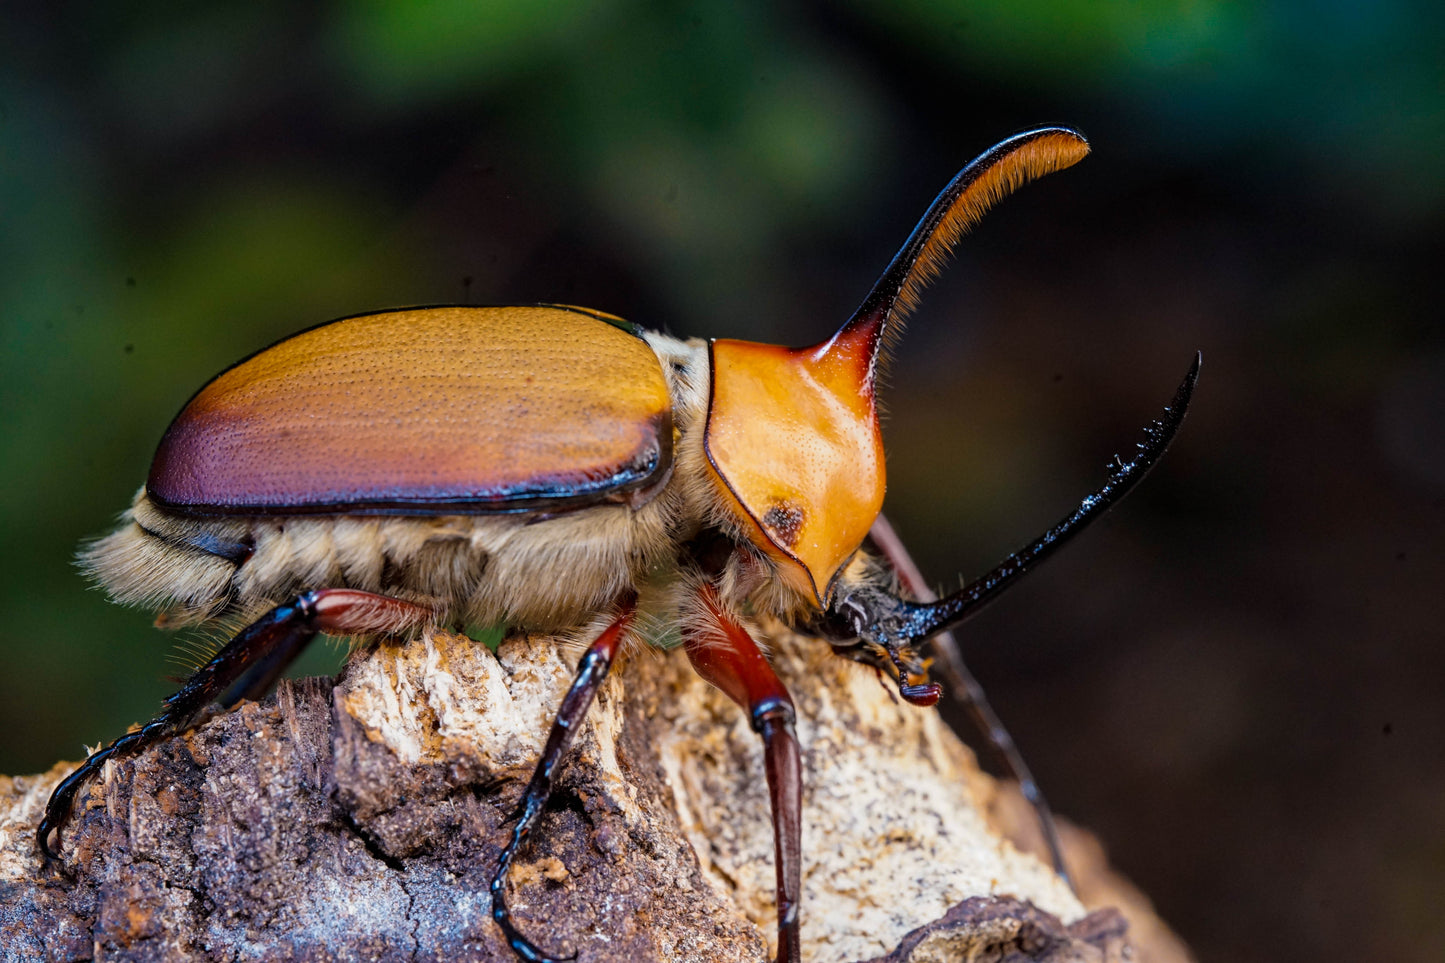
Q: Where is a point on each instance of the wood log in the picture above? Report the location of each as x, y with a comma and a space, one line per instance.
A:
360, 819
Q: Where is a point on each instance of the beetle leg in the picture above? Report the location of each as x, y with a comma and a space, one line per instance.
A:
731, 660
966, 690
881, 618
244, 669
591, 672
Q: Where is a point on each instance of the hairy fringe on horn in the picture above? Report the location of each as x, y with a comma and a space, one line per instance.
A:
976, 189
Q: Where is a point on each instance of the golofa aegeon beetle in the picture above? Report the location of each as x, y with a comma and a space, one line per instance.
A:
540, 466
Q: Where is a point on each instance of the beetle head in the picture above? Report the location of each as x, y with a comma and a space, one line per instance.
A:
792, 433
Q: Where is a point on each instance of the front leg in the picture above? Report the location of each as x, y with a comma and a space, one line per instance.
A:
244, 669
724, 654
881, 618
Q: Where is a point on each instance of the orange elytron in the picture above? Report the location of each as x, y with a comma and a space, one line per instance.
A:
421, 410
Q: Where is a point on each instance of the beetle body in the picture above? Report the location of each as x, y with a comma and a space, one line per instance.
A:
466, 554
499, 541
541, 467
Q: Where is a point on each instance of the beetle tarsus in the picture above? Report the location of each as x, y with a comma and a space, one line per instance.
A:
58, 808
591, 673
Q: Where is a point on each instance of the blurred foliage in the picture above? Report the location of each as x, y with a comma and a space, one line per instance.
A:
1345, 94
181, 185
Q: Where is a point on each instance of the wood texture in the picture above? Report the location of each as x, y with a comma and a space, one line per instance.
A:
359, 819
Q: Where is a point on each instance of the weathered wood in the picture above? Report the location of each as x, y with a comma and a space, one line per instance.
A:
359, 819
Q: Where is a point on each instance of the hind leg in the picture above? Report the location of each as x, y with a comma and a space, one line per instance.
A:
244, 669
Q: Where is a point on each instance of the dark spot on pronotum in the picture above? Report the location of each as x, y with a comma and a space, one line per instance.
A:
784, 521
130, 282
129, 349
1387, 729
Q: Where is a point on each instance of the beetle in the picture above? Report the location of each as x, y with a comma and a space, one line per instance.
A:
548, 466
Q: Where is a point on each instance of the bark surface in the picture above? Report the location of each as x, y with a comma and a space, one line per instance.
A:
361, 818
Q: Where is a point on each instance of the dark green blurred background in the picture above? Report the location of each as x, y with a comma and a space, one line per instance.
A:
1236, 679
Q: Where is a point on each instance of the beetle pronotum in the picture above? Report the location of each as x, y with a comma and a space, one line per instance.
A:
540, 466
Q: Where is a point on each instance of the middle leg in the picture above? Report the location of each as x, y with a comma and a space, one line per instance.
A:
591, 673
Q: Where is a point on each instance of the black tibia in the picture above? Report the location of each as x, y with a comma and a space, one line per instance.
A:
878, 617
966, 690
244, 669
873, 625
725, 655
591, 672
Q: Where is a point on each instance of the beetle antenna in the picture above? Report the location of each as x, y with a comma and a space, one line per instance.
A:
990, 178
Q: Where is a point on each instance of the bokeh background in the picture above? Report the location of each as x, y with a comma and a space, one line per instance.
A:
1235, 679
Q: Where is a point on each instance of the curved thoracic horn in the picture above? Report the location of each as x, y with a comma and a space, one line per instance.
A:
991, 177
792, 433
